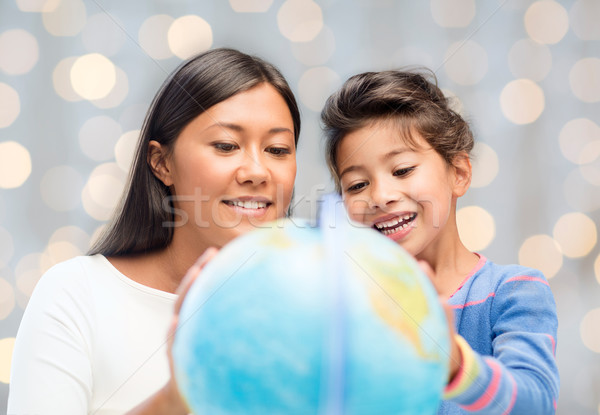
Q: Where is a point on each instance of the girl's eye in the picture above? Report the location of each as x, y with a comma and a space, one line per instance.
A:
403, 172
356, 187
279, 151
225, 147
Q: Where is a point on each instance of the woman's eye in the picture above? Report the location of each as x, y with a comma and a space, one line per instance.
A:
403, 172
224, 147
278, 151
356, 187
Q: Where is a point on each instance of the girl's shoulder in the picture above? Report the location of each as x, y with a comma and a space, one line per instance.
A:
500, 274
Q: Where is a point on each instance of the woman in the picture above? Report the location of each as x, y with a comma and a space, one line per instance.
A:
216, 157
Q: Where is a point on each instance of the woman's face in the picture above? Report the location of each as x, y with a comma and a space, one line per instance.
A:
232, 168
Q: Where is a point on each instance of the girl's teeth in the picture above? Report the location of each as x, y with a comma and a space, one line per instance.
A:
386, 227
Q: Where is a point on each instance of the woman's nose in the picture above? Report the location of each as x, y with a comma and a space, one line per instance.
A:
252, 169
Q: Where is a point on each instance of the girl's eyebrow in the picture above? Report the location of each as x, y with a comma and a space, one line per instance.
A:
385, 157
350, 169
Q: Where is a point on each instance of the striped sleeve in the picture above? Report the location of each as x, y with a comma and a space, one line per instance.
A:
520, 374
481, 385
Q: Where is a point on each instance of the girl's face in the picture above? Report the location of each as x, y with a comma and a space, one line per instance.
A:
406, 193
232, 168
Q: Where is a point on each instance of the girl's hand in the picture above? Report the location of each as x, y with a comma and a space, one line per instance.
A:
178, 404
455, 356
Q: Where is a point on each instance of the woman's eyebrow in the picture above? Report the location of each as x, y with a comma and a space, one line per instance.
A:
239, 128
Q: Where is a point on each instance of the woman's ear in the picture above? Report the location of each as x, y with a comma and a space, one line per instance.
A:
461, 164
158, 161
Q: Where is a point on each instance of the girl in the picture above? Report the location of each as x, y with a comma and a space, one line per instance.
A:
400, 159
216, 156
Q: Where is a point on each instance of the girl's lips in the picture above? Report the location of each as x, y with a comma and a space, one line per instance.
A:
397, 226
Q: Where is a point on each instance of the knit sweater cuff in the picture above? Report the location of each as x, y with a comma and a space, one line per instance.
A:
467, 373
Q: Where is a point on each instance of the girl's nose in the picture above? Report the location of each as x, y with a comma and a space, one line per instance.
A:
382, 194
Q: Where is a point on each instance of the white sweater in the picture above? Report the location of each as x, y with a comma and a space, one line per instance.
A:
92, 341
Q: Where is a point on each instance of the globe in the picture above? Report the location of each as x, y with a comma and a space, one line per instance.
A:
300, 319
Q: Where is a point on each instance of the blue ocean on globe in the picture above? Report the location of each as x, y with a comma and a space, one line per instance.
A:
299, 319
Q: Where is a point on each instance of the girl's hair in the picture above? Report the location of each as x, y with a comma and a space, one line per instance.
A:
195, 86
409, 98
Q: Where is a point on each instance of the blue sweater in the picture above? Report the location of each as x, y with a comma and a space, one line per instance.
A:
507, 315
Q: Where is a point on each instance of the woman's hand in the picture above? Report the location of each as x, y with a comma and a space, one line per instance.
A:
455, 356
187, 281
168, 400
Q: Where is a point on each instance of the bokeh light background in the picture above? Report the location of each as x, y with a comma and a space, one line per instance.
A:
76, 77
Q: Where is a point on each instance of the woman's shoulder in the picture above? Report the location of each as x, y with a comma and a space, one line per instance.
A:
72, 275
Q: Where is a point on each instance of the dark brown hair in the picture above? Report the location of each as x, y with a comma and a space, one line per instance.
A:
412, 99
195, 86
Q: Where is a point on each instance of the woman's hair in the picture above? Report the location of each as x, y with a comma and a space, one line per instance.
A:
410, 99
195, 86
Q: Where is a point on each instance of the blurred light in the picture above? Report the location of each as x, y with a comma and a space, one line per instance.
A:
61, 79
529, 59
575, 138
300, 20
19, 51
315, 86
317, 51
93, 76
250, 6
6, 350
546, 21
577, 193
67, 19
454, 102
543, 253
103, 190
485, 165
125, 149
98, 136
597, 269
458, 13
118, 94
57, 252
8, 248
590, 335
37, 6
591, 172
60, 188
576, 234
15, 165
476, 227
584, 19
584, 79
411, 55
189, 35
7, 298
72, 234
522, 101
153, 36
102, 35
466, 63
27, 274
10, 105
